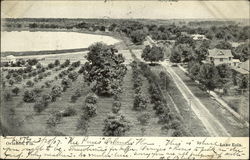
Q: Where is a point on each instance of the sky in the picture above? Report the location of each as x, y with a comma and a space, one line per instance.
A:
164, 9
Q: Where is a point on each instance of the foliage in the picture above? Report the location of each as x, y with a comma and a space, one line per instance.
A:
73, 75
152, 54
104, 68
116, 106
137, 36
56, 92
208, 76
57, 62
16, 90
29, 83
175, 56
29, 96
115, 125
90, 109
140, 102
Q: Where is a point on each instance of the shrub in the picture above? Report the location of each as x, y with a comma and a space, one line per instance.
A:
73, 76
51, 65
91, 98
8, 76
54, 119
115, 125
76, 64
160, 108
144, 118
81, 70
25, 76
29, 96
66, 82
140, 102
57, 62
56, 92
116, 106
90, 109
38, 65
40, 76
37, 91
11, 81
29, 83
15, 90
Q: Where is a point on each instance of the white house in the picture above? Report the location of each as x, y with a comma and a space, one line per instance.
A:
198, 37
219, 56
8, 59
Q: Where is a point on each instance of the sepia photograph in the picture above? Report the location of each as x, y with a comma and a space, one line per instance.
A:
163, 68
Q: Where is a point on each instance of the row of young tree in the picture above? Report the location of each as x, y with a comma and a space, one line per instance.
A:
169, 119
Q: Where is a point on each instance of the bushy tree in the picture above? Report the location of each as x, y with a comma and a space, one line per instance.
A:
11, 82
90, 109
56, 92
29, 96
73, 75
116, 106
152, 54
137, 36
16, 90
175, 56
140, 102
57, 62
29, 83
115, 125
208, 76
104, 67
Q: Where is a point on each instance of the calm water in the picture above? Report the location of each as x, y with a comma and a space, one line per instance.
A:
38, 41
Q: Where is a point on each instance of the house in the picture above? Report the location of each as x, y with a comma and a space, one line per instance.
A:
198, 37
243, 68
241, 71
236, 44
235, 63
8, 60
219, 56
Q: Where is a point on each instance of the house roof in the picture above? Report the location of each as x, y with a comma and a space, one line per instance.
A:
220, 53
236, 60
245, 65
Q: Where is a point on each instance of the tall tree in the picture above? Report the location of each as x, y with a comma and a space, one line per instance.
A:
208, 76
152, 54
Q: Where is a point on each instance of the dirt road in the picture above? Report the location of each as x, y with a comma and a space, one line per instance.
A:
213, 126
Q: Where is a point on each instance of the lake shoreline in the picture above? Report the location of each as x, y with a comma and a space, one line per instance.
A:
48, 52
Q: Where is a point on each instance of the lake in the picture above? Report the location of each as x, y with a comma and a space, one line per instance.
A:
38, 41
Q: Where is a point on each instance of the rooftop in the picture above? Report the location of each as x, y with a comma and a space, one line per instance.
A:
220, 53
